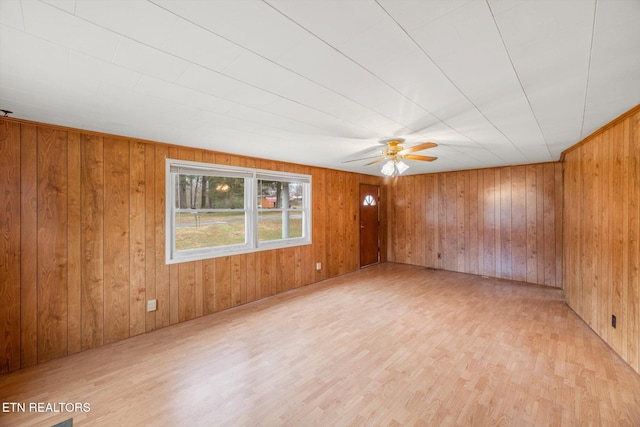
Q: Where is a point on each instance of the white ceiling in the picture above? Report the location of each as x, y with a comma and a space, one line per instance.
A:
319, 82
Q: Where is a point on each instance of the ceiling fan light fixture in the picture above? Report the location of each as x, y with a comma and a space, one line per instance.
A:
394, 168
388, 168
401, 167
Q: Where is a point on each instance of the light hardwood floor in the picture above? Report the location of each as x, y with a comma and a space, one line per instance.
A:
388, 345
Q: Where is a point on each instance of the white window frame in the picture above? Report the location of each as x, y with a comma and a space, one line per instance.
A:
251, 176
305, 210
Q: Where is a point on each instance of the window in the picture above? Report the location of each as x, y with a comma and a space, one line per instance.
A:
369, 200
215, 210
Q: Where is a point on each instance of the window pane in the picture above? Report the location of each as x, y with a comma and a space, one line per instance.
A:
295, 224
276, 225
279, 194
211, 229
209, 192
196, 229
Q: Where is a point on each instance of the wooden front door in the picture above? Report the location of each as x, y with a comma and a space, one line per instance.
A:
369, 224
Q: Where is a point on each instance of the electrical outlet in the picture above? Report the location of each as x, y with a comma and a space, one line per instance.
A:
613, 320
151, 305
318, 266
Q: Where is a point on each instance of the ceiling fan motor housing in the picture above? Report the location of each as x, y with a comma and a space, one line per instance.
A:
392, 149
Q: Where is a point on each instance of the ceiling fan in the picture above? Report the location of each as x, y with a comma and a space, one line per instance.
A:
394, 153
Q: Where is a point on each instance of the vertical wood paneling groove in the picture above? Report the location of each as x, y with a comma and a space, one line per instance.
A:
497, 244
352, 226
186, 282
137, 236
174, 294
531, 221
505, 223
407, 214
163, 317
419, 224
540, 203
92, 219
52, 244
238, 280
271, 265
480, 221
150, 236
251, 277
340, 217
208, 281
472, 213
222, 294
431, 218
319, 228
10, 247
199, 289
461, 218
518, 224
489, 226
559, 224
117, 264
450, 254
333, 237
74, 231
279, 270
549, 224
28, 245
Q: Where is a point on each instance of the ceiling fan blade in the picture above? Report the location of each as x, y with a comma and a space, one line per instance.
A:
375, 161
419, 147
364, 158
416, 157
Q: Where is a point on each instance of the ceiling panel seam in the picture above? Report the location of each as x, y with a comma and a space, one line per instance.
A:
586, 89
515, 72
24, 26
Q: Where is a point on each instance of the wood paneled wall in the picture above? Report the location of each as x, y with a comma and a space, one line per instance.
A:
602, 233
500, 222
82, 235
